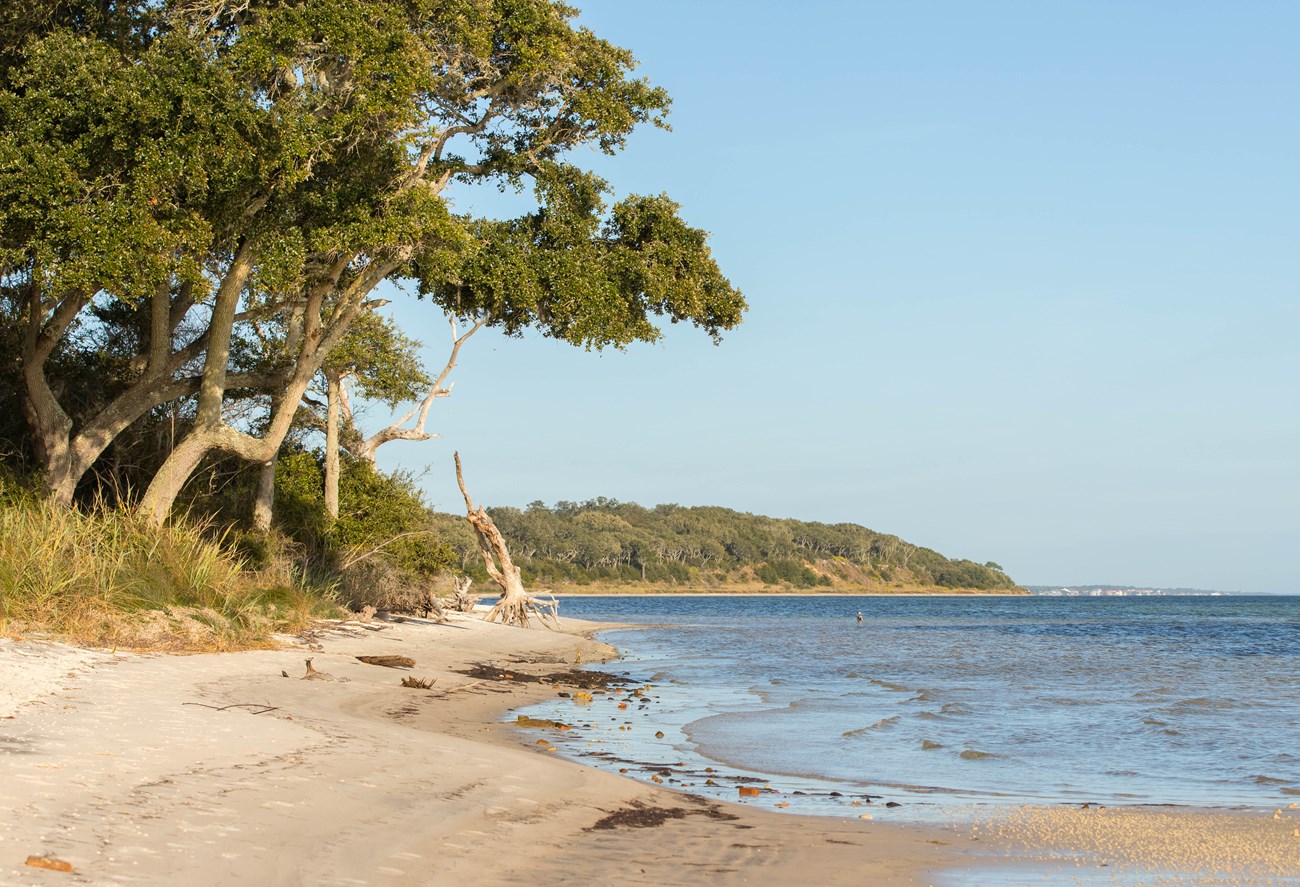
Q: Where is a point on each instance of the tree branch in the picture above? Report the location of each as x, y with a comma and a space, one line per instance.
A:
366, 449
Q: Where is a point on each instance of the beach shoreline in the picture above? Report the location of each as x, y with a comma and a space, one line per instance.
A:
216, 769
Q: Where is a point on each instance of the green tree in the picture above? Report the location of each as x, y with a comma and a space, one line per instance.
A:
209, 166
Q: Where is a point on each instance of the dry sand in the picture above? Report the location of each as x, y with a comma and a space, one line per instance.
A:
216, 770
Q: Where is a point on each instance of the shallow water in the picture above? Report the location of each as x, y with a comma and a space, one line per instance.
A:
952, 701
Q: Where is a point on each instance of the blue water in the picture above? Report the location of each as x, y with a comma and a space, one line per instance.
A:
1157, 700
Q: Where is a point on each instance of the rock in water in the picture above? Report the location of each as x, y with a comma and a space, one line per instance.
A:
539, 723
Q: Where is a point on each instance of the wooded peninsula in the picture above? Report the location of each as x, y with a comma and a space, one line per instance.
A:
607, 545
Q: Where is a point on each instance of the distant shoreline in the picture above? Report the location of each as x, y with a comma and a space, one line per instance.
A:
865, 592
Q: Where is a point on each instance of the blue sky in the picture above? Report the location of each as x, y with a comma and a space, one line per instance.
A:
1024, 283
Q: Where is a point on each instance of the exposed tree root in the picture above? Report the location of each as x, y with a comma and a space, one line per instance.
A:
518, 610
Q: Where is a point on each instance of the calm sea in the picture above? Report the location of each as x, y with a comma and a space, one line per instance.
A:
941, 701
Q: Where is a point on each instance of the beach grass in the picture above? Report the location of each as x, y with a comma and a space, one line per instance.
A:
104, 577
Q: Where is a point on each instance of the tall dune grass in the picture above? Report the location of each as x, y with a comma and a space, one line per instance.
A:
107, 578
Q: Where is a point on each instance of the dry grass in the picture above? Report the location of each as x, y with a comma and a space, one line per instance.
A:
108, 579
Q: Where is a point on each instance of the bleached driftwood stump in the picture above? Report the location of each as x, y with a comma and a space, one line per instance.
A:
516, 605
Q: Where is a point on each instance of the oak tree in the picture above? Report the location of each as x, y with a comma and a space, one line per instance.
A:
206, 165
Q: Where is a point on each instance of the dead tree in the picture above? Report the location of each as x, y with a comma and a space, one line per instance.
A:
364, 448
516, 605
462, 600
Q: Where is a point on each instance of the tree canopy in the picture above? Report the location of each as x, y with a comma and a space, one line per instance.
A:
181, 177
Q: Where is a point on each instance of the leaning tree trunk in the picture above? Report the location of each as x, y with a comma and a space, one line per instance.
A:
516, 604
264, 503
334, 388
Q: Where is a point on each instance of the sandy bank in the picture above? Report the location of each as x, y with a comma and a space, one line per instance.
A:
215, 770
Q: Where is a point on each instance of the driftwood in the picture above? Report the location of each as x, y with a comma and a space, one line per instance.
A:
430, 607
254, 708
388, 661
419, 683
314, 675
462, 601
516, 605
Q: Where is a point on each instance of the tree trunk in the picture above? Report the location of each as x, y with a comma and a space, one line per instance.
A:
516, 604
334, 393
156, 505
50, 424
264, 504
66, 455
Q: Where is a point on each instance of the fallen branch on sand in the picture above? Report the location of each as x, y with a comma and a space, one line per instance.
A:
314, 675
261, 709
388, 661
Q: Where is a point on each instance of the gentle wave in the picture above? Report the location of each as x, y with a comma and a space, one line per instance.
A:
881, 724
1200, 704
1271, 780
888, 685
922, 696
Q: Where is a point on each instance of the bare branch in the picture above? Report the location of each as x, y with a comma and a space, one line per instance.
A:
366, 448
358, 553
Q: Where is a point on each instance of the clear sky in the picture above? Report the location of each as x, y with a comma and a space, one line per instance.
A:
1024, 286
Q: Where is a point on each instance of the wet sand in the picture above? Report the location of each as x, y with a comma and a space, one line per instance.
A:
215, 769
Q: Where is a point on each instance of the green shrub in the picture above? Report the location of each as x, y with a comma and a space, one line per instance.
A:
385, 546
